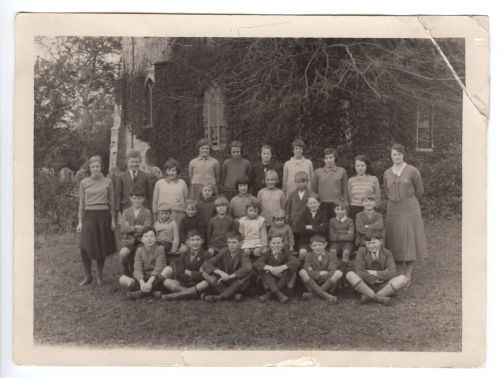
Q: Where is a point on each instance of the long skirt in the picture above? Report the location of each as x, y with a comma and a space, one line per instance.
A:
98, 241
404, 231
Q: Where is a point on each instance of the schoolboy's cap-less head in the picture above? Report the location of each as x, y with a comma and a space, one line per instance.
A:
373, 234
369, 195
164, 207
279, 214
136, 191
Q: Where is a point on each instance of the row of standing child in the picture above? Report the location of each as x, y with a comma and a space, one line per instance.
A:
271, 179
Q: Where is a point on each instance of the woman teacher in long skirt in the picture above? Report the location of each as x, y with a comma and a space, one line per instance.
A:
405, 234
96, 220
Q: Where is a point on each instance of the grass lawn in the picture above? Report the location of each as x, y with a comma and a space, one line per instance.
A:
424, 317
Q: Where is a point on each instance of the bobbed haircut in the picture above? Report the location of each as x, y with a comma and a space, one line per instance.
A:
253, 205
399, 147
331, 151
298, 143
363, 158
242, 180
202, 142
273, 174
172, 163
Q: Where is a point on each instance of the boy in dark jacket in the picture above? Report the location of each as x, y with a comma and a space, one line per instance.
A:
375, 270
186, 280
276, 268
229, 272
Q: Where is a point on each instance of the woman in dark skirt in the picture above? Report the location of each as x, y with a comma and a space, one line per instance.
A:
96, 220
405, 234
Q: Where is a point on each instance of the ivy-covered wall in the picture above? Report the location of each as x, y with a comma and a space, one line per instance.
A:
279, 89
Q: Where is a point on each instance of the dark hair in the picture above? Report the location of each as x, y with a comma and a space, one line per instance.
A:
301, 176
298, 143
235, 143
364, 159
399, 147
192, 233
136, 191
254, 205
242, 180
331, 151
147, 229
266, 147
317, 238
373, 234
172, 163
202, 142
234, 235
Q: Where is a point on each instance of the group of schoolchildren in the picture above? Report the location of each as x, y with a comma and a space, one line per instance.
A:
229, 244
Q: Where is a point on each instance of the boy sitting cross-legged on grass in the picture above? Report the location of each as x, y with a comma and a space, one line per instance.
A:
133, 220
276, 268
229, 273
320, 268
149, 268
375, 270
185, 280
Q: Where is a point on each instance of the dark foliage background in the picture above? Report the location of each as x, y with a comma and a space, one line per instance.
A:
359, 96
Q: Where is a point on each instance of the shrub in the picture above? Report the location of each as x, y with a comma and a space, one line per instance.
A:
56, 205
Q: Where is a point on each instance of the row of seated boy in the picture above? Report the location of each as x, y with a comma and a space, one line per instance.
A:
197, 274
344, 235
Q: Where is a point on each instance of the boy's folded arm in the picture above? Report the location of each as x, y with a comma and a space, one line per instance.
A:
293, 263
245, 268
360, 269
261, 262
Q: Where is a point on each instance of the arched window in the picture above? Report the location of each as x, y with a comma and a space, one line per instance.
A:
148, 102
214, 119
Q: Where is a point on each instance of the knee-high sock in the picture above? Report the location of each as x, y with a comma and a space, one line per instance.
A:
332, 281
214, 282
313, 286
359, 285
269, 282
190, 292
231, 290
397, 283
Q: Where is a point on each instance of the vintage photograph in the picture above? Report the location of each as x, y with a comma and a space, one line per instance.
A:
241, 193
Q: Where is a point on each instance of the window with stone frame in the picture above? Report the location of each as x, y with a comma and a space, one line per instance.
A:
425, 128
214, 120
148, 103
